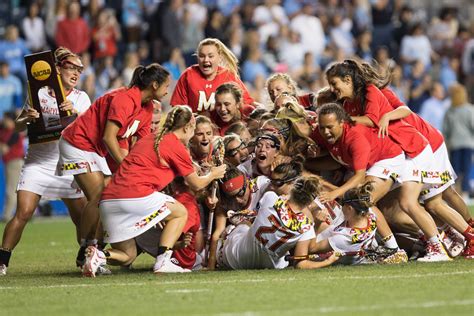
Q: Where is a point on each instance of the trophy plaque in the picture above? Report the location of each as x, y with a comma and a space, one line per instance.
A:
44, 85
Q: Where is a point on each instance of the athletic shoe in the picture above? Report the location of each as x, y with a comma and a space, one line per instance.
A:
469, 251
400, 256
3, 269
81, 257
94, 259
164, 264
435, 252
452, 241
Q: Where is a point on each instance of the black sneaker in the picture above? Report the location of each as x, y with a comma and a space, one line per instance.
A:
81, 257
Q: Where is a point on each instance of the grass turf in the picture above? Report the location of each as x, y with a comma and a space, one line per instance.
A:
42, 280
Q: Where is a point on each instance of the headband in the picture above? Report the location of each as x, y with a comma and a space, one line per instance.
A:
233, 184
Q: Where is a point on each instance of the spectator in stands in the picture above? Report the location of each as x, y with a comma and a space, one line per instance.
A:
73, 32
11, 148
420, 85
10, 90
12, 50
310, 29
105, 35
434, 108
33, 28
458, 130
416, 46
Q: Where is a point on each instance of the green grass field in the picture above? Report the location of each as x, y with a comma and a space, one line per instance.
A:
42, 280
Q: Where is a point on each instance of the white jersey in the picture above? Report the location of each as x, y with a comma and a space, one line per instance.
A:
350, 241
275, 231
48, 153
258, 187
334, 209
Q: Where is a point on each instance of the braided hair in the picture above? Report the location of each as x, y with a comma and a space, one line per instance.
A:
178, 117
61, 54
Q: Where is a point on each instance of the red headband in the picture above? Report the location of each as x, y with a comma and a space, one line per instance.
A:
233, 184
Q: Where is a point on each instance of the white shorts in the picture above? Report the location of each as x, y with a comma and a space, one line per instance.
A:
41, 179
448, 176
124, 219
388, 168
421, 169
73, 160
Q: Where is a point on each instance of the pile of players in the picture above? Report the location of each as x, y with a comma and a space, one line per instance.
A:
347, 175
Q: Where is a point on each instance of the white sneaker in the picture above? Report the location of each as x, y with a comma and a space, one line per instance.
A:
94, 259
164, 264
3, 270
453, 241
435, 253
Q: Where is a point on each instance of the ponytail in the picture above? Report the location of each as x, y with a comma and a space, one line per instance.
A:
178, 117
143, 77
230, 61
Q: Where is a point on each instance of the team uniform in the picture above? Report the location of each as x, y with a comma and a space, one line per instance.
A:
131, 204
420, 164
359, 148
195, 90
81, 144
38, 172
250, 168
275, 231
436, 140
352, 242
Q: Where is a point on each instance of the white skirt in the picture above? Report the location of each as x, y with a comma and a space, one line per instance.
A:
422, 168
124, 219
41, 179
388, 168
448, 176
73, 160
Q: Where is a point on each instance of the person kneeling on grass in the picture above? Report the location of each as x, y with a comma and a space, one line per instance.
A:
282, 224
132, 204
354, 239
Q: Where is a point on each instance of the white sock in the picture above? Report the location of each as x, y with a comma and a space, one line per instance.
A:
391, 242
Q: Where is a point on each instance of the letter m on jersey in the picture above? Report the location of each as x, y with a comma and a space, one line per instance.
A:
204, 103
131, 129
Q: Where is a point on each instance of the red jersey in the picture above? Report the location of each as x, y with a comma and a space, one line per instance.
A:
141, 173
359, 147
306, 100
187, 256
195, 90
402, 133
14, 142
434, 137
245, 111
122, 106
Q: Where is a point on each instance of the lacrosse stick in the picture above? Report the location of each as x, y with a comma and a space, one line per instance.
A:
218, 153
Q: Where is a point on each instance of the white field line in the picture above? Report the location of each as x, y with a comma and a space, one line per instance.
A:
362, 308
186, 291
163, 282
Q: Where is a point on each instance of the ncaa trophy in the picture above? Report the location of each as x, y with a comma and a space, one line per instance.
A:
44, 79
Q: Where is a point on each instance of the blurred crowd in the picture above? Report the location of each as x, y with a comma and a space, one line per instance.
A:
426, 50
301, 37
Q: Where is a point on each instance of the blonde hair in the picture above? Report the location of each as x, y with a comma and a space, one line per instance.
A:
286, 78
292, 111
63, 53
458, 94
230, 61
178, 117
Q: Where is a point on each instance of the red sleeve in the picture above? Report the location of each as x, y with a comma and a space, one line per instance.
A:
177, 157
375, 104
180, 93
120, 109
245, 110
392, 98
305, 100
359, 151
